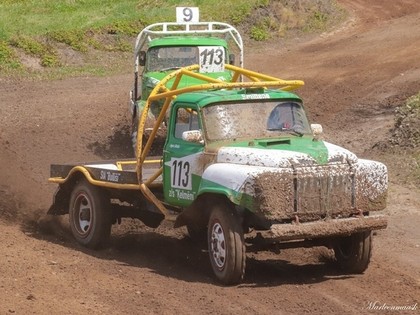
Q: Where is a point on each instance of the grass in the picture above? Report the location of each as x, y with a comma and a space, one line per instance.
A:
43, 28
401, 149
32, 18
8, 59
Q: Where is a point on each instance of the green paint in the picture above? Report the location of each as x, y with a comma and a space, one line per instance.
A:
305, 144
236, 197
187, 41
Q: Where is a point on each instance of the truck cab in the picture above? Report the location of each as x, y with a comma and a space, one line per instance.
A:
238, 143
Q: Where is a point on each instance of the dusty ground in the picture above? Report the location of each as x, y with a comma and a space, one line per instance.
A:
355, 76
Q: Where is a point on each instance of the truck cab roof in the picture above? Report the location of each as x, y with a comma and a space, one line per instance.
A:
187, 41
204, 98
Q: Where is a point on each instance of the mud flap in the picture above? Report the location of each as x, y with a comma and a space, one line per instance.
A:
61, 199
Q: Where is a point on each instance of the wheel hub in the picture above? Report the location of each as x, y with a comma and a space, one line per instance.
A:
218, 246
84, 214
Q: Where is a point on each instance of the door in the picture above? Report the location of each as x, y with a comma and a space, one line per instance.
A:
182, 155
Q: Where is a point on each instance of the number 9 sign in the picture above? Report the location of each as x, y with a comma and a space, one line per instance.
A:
187, 15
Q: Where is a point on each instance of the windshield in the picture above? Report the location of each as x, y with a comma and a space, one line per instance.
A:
254, 120
167, 58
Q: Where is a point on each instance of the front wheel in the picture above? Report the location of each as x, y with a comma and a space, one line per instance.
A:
90, 215
353, 252
226, 245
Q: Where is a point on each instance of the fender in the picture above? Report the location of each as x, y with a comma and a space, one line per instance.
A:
231, 180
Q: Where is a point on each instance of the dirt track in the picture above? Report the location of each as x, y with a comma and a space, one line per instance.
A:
355, 76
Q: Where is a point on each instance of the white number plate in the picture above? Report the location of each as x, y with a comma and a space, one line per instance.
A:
187, 15
212, 59
181, 174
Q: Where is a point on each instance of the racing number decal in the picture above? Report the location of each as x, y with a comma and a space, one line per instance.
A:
212, 59
181, 174
187, 15
215, 56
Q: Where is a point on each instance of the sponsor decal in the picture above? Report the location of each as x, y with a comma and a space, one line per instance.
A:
255, 96
110, 176
181, 194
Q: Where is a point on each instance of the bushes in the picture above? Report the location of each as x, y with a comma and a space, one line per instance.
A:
406, 131
47, 55
8, 59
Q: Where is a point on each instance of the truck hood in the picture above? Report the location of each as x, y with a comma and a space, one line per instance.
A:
323, 153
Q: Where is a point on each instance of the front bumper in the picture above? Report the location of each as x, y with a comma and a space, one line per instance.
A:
324, 229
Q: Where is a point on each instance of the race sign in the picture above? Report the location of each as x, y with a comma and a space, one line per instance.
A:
187, 15
181, 174
212, 58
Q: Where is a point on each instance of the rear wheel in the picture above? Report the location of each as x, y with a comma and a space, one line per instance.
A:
353, 252
90, 216
226, 245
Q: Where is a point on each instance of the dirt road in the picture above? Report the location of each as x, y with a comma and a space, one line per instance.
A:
355, 76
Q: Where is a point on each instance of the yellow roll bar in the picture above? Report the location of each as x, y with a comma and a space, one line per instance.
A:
161, 91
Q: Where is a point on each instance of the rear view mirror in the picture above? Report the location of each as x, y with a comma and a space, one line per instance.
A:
316, 131
142, 58
232, 59
194, 136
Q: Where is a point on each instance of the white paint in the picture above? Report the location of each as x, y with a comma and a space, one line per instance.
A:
262, 157
339, 154
372, 178
235, 177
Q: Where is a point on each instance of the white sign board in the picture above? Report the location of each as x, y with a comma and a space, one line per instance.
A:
187, 15
212, 59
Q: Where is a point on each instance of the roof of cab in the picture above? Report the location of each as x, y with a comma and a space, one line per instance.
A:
187, 41
204, 98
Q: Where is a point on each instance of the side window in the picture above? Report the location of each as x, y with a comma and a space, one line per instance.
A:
186, 119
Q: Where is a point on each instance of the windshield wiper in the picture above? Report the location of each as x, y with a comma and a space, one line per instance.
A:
169, 68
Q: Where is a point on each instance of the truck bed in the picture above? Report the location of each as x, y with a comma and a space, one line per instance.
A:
111, 171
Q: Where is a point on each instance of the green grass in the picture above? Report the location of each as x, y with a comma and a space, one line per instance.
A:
39, 17
8, 59
43, 28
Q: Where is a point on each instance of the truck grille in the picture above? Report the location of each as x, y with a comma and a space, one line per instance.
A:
311, 193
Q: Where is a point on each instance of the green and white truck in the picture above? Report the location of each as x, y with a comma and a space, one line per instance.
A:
161, 48
241, 165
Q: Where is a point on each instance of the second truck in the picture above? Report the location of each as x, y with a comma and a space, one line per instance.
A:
161, 48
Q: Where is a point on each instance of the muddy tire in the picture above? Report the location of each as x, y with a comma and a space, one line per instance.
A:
90, 216
226, 245
353, 252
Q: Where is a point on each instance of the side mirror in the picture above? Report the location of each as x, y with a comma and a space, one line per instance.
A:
142, 58
194, 136
232, 59
316, 131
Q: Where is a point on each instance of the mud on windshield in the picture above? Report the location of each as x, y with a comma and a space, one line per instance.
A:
254, 120
166, 58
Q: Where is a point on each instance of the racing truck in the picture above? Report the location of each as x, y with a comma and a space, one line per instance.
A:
161, 48
241, 167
